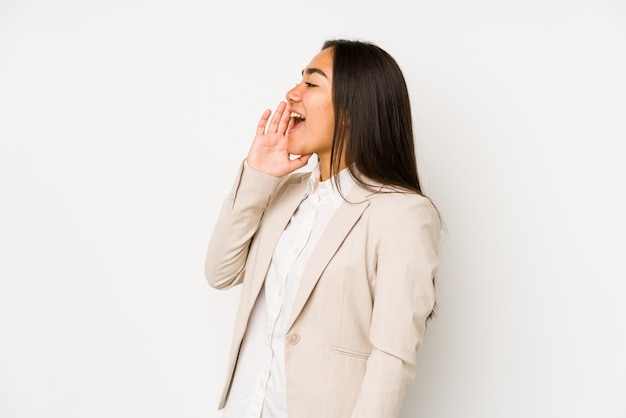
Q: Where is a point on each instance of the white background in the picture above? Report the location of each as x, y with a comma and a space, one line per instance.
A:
122, 124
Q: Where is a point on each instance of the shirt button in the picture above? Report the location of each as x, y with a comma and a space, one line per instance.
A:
293, 338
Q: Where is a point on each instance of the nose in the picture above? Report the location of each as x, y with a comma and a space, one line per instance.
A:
294, 94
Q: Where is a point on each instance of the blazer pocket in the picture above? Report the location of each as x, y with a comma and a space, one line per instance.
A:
351, 353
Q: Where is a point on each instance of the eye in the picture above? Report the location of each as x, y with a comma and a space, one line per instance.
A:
309, 84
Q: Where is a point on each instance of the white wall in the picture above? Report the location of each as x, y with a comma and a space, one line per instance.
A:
122, 123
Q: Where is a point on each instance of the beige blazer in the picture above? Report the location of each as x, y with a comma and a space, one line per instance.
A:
359, 314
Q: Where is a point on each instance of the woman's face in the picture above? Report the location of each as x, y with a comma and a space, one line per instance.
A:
313, 116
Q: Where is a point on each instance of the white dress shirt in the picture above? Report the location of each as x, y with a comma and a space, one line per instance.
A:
258, 387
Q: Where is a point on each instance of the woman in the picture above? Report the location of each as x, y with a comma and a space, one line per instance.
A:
337, 265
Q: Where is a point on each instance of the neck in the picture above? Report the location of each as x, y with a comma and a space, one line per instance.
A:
325, 168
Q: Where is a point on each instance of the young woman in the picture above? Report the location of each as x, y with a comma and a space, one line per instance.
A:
337, 265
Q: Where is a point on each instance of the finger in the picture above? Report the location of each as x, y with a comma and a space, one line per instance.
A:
285, 120
276, 118
260, 129
291, 123
299, 162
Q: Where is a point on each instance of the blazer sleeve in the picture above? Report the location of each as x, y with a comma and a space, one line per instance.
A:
404, 297
236, 225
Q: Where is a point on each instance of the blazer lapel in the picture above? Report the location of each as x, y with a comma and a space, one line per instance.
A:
274, 224
333, 236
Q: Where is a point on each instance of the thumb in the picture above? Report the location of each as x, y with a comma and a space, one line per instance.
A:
299, 162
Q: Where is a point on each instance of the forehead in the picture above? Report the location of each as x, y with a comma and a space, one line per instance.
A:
322, 61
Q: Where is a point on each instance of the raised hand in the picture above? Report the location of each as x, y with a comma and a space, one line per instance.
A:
268, 153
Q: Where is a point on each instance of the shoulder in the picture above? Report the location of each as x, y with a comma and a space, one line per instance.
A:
395, 214
398, 202
390, 200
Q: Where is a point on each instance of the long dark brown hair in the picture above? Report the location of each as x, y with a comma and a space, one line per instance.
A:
373, 123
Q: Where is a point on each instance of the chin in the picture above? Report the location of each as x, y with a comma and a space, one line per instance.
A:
295, 150
296, 153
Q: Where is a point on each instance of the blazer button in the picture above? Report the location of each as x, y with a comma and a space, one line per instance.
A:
293, 338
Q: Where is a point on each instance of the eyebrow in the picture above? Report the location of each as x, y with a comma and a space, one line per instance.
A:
310, 71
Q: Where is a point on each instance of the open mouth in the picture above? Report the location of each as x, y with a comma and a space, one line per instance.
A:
298, 120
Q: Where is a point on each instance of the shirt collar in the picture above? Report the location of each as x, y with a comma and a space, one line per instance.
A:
328, 189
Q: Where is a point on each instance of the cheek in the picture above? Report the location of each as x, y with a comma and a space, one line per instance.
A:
330, 118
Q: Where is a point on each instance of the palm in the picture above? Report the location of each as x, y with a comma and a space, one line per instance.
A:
268, 153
